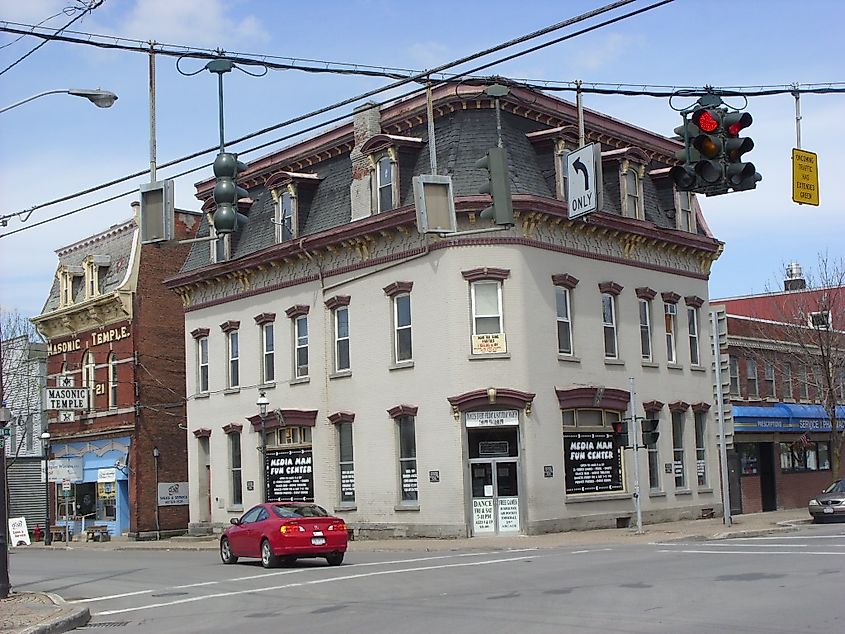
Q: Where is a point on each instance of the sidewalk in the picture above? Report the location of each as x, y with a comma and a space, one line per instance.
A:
38, 613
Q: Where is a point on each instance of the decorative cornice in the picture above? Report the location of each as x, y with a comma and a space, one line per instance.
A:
297, 310
199, 333
202, 432
700, 407
565, 280
233, 428
284, 418
631, 153
678, 406
402, 410
341, 417
379, 142
282, 178
651, 407
475, 399
337, 301
486, 273
265, 318
694, 301
593, 397
396, 288
230, 325
670, 297
644, 292
612, 288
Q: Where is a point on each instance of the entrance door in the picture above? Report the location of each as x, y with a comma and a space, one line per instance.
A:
768, 487
495, 497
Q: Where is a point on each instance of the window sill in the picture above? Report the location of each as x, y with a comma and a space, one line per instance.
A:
657, 494
340, 375
202, 395
235, 508
575, 498
401, 365
698, 368
406, 507
683, 492
615, 362
494, 355
568, 358
300, 380
267, 386
706, 490
345, 508
232, 390
675, 366
650, 364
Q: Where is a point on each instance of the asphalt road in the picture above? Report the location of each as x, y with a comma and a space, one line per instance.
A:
786, 583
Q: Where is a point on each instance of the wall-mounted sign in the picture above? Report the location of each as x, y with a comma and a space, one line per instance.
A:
492, 418
593, 463
482, 516
66, 398
489, 344
69, 469
508, 514
107, 475
250, 485
290, 475
95, 338
172, 493
548, 471
434, 476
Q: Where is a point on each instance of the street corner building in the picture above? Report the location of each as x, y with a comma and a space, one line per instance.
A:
467, 383
115, 384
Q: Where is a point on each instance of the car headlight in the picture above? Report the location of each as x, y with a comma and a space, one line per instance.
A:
814, 502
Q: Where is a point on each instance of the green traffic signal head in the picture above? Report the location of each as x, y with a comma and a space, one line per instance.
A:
735, 122
708, 145
708, 120
684, 177
735, 148
710, 171
227, 165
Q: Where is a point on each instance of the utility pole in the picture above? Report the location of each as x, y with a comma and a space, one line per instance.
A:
5, 417
634, 429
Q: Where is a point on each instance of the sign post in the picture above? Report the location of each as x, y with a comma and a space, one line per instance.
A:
805, 177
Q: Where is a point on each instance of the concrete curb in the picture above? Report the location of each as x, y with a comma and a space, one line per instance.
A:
69, 618
760, 532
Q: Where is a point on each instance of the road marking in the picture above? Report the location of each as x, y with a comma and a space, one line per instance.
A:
751, 552
724, 545
592, 550
288, 572
737, 539
375, 573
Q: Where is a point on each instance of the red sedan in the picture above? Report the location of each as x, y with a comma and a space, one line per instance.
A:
283, 531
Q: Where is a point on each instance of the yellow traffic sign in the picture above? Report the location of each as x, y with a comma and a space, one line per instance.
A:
805, 177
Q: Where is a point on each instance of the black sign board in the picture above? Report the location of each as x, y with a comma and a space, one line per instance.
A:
593, 463
290, 475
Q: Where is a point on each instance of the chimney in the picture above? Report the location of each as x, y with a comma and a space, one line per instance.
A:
366, 122
794, 278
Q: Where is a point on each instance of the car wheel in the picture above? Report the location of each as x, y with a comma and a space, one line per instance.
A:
334, 559
268, 559
226, 552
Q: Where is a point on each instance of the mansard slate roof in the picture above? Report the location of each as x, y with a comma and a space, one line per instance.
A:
464, 134
115, 243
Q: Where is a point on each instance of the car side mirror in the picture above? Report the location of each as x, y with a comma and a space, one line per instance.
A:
235, 520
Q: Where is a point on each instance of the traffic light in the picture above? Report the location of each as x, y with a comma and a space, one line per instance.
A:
650, 433
498, 186
708, 144
740, 176
620, 429
227, 193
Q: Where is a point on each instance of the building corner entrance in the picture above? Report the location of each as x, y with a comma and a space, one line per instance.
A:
494, 479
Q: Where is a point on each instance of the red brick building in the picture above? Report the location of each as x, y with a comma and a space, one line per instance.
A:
114, 329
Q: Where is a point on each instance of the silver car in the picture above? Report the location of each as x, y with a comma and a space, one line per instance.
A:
829, 504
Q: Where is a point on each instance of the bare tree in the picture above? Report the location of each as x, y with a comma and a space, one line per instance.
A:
803, 326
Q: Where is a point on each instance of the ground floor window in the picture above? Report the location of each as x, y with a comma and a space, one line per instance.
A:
804, 455
93, 501
749, 457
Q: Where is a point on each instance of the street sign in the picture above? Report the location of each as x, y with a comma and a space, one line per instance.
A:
5, 431
805, 177
584, 180
66, 398
65, 485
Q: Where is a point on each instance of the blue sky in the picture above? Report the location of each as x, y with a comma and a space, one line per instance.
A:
57, 145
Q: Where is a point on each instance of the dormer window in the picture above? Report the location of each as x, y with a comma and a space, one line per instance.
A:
632, 189
287, 189
285, 216
383, 151
220, 246
70, 283
93, 263
385, 184
685, 211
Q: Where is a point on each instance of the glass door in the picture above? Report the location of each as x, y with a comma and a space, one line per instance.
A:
483, 517
495, 497
507, 497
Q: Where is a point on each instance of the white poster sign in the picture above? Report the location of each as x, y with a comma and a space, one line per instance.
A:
508, 514
66, 398
65, 469
492, 418
172, 493
18, 533
107, 475
482, 516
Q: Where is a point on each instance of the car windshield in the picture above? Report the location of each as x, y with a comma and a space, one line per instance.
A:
299, 510
836, 487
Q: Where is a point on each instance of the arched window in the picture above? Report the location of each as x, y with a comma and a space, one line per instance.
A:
88, 377
112, 380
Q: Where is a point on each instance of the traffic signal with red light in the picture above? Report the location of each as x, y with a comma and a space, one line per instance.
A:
650, 433
740, 176
620, 431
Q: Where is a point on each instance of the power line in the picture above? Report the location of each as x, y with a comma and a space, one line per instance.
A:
94, 4
396, 84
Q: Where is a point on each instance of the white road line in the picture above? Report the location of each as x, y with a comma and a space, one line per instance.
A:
287, 572
751, 552
592, 550
737, 539
308, 583
726, 545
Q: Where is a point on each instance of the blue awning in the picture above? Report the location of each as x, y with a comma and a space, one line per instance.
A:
788, 417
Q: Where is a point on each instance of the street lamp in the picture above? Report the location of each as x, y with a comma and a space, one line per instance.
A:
45, 443
263, 402
100, 98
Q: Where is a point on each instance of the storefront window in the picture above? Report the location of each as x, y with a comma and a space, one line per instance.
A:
749, 457
803, 455
95, 501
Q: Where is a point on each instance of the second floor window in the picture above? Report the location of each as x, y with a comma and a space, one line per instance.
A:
385, 184
301, 347
803, 391
202, 364
403, 350
88, 381
670, 314
608, 319
769, 380
341, 339
268, 365
734, 371
645, 329
786, 385
112, 380
751, 378
486, 308
564, 322
234, 353
692, 318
